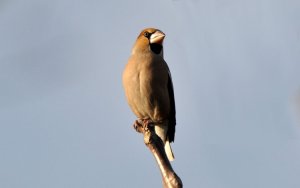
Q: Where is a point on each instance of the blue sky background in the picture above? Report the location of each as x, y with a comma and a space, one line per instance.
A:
64, 120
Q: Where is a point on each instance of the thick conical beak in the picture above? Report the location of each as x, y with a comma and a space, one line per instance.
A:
157, 37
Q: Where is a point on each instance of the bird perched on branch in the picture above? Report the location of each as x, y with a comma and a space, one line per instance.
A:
148, 86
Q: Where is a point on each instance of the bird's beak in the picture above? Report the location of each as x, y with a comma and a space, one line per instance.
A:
157, 37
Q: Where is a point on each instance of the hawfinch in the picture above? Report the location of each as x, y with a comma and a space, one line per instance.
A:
148, 86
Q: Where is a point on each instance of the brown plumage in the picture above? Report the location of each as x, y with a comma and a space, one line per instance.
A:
148, 85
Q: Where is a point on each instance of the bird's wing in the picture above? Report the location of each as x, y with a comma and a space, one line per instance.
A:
172, 115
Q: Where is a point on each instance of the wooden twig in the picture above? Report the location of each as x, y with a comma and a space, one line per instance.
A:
156, 146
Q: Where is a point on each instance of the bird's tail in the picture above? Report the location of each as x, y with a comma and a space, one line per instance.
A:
169, 151
161, 131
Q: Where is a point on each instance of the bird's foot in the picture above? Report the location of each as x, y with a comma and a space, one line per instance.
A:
142, 125
138, 125
147, 123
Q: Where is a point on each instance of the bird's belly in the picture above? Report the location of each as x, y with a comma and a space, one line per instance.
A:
146, 104
139, 103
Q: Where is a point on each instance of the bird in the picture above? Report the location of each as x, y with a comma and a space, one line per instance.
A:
148, 86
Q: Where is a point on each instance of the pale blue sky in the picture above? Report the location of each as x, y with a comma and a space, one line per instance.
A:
64, 120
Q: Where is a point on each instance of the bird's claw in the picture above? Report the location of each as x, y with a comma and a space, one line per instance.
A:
147, 123
138, 125
142, 125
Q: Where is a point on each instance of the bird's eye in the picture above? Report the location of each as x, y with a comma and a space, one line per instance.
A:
146, 34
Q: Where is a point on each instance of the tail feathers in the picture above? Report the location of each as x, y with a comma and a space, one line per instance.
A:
169, 151
161, 132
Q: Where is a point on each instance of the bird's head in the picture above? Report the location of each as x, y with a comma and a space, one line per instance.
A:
149, 40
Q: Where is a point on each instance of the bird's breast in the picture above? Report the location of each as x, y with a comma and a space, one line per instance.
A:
145, 83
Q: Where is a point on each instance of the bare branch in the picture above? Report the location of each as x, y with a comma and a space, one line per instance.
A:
156, 146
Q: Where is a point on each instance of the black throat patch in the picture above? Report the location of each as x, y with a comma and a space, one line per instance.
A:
156, 48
